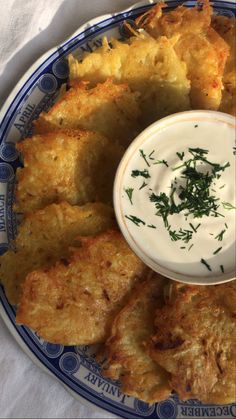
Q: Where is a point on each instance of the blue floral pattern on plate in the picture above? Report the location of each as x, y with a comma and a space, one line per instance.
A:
75, 367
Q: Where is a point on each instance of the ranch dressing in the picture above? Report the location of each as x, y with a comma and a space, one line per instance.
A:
159, 177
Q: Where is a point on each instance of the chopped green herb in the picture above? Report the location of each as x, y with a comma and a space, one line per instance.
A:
193, 228
150, 155
137, 221
234, 151
195, 126
162, 162
221, 187
192, 197
222, 268
228, 206
183, 247
198, 151
206, 264
151, 226
180, 155
185, 235
143, 185
143, 155
218, 168
129, 192
219, 236
144, 173
199, 155
217, 214
161, 203
174, 235
195, 195
177, 167
217, 250
190, 247
226, 225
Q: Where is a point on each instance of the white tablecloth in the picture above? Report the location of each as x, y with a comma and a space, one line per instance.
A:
28, 29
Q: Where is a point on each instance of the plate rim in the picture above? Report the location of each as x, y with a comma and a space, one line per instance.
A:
3, 111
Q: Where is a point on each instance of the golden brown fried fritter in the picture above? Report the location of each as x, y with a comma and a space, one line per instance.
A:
150, 67
195, 342
66, 165
75, 301
108, 108
226, 28
128, 359
181, 20
198, 45
44, 237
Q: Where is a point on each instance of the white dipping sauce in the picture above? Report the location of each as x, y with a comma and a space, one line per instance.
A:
174, 244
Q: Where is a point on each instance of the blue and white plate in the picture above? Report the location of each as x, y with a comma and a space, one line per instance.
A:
75, 367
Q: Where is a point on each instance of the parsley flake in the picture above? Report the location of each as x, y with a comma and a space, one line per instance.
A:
144, 173
217, 250
143, 155
129, 192
228, 206
143, 185
219, 236
137, 221
162, 162
180, 155
206, 264
150, 155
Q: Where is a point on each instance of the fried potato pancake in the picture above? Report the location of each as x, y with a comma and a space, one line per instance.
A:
128, 359
75, 301
44, 237
73, 166
195, 342
150, 67
198, 45
108, 108
226, 28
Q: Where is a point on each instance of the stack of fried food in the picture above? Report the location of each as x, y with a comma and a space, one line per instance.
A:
69, 271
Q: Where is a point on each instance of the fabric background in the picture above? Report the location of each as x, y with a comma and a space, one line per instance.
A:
28, 29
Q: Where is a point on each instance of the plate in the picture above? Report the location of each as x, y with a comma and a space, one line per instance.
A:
75, 367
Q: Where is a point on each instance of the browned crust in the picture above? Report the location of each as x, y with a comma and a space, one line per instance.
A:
75, 301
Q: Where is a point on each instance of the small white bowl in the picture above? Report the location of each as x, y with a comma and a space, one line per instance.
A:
140, 247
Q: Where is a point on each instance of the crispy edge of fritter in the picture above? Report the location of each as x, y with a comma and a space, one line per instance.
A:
226, 28
86, 151
44, 236
127, 359
182, 19
75, 301
202, 362
193, 27
88, 114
